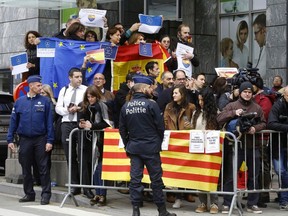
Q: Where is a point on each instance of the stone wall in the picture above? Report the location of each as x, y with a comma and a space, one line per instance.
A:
276, 39
202, 17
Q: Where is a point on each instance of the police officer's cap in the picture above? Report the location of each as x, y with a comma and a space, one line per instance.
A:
34, 78
143, 79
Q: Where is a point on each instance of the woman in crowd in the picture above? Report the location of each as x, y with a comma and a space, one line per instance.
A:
226, 45
221, 92
90, 36
113, 36
136, 38
240, 50
204, 118
94, 116
76, 31
33, 64
165, 42
47, 91
176, 114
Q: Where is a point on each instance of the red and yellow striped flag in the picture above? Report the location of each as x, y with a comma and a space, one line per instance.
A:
180, 168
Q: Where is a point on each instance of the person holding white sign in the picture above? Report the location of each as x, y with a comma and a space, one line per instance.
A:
176, 115
183, 37
33, 64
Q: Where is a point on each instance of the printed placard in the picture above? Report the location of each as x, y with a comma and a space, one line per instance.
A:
46, 48
166, 139
19, 63
197, 140
212, 141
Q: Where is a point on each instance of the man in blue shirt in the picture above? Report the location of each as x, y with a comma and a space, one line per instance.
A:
32, 120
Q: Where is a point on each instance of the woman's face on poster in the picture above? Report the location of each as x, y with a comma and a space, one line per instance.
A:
229, 51
243, 35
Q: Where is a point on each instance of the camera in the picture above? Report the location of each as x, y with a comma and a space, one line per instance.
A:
247, 120
244, 74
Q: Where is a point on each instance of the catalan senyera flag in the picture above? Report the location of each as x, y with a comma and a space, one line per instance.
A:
180, 168
129, 60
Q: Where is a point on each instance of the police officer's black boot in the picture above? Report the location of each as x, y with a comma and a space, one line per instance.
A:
163, 211
136, 211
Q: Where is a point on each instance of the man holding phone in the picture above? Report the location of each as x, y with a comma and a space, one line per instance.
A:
67, 106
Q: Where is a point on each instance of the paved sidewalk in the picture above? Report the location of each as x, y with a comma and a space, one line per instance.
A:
119, 204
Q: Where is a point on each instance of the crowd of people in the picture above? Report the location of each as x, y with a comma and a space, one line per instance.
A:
142, 109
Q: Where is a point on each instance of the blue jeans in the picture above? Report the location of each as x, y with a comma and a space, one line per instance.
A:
281, 165
98, 181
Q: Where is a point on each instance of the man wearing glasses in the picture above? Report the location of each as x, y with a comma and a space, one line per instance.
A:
259, 28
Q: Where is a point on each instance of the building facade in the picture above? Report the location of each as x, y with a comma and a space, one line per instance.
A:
209, 21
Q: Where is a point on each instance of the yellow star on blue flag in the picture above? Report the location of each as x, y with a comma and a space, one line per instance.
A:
82, 47
89, 70
60, 44
55, 85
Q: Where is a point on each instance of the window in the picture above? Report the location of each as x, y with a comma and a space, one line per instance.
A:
236, 23
168, 8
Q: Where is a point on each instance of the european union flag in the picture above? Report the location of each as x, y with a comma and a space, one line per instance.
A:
19, 63
19, 59
68, 54
46, 43
145, 49
150, 24
110, 51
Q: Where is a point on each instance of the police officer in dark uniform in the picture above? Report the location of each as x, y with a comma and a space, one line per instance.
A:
32, 120
141, 128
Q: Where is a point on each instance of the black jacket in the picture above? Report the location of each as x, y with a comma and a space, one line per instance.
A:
278, 121
94, 114
119, 101
172, 63
141, 125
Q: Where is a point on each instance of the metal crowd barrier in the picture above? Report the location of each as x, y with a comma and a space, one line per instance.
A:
262, 139
115, 184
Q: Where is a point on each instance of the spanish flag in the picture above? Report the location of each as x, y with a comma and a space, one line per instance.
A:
180, 168
129, 60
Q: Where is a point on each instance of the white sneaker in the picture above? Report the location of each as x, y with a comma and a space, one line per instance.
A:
254, 209
177, 204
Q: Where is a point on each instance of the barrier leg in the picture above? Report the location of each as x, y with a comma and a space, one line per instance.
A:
71, 196
233, 205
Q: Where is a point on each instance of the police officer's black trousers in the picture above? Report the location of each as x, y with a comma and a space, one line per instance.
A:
33, 149
153, 165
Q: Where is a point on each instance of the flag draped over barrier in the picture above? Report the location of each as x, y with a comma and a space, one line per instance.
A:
180, 168
70, 53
